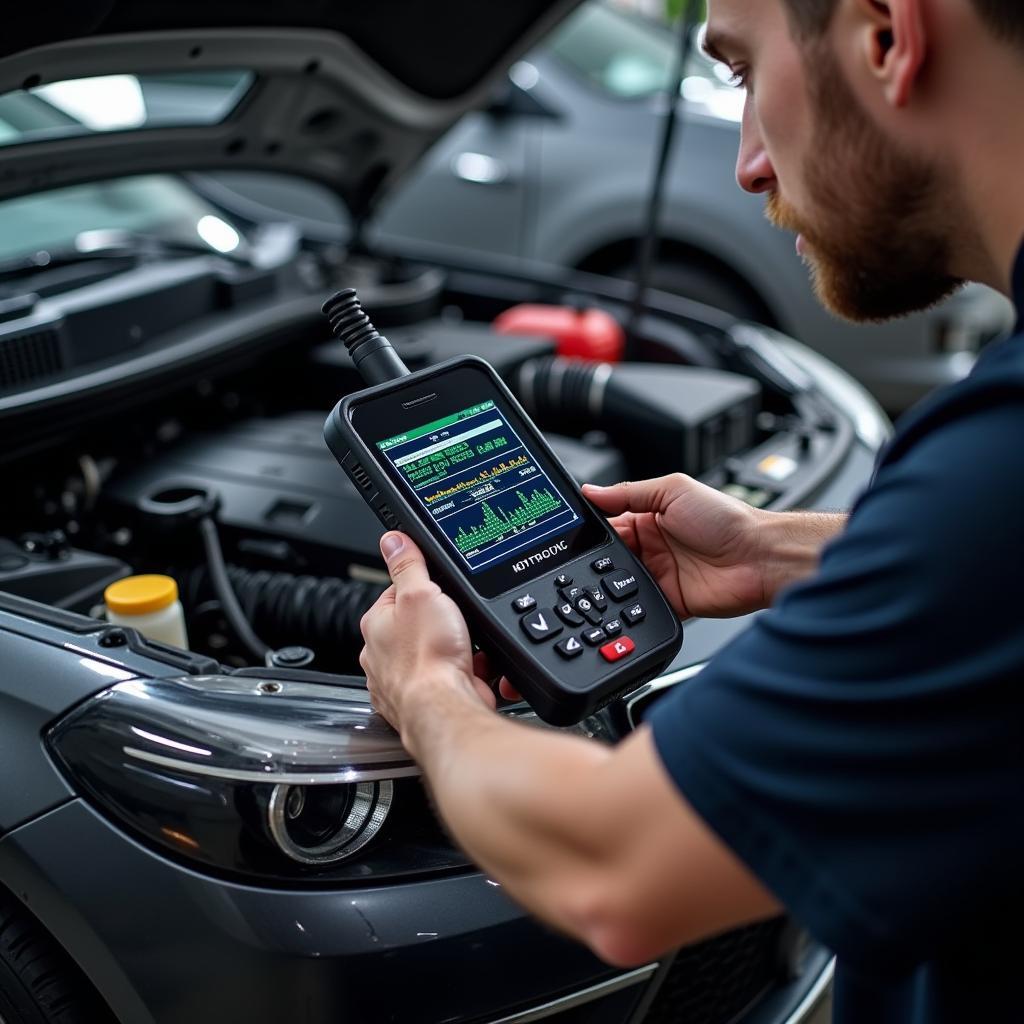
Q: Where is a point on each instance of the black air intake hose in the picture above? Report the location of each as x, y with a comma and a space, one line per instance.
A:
566, 395
663, 418
321, 613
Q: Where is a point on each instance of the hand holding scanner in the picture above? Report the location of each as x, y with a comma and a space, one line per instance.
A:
447, 455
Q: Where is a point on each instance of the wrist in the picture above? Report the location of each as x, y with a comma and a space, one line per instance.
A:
436, 705
790, 545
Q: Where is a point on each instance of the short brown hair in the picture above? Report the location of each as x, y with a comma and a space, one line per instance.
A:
1004, 17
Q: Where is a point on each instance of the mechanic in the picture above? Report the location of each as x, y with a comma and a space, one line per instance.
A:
857, 755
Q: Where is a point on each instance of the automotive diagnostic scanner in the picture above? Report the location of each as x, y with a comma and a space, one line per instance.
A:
448, 456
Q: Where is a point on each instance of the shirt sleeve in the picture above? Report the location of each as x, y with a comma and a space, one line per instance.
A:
860, 747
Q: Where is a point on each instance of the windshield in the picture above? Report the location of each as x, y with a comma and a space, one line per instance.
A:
152, 204
628, 57
149, 204
108, 103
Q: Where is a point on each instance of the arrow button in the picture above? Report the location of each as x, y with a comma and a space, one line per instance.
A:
569, 648
540, 626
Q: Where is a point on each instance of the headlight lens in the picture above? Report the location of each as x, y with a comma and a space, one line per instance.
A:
264, 777
326, 824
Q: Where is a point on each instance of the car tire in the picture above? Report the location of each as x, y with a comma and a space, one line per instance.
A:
39, 984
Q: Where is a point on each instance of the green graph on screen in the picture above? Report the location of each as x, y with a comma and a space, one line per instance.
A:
496, 525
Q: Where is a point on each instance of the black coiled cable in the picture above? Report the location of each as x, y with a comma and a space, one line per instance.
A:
319, 612
371, 352
348, 321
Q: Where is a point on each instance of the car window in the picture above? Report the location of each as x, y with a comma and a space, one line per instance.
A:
152, 204
108, 103
628, 56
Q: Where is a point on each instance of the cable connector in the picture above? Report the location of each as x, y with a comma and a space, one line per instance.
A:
372, 353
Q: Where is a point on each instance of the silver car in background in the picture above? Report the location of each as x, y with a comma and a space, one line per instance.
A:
558, 170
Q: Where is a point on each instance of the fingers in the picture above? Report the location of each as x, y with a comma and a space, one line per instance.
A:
508, 691
625, 527
482, 666
406, 567
484, 670
386, 599
637, 496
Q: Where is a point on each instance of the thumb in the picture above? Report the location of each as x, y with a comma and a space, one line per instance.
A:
636, 496
406, 566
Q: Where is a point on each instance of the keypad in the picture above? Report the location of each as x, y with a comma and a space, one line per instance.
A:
583, 608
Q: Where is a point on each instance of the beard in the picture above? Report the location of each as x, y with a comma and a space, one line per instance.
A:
878, 243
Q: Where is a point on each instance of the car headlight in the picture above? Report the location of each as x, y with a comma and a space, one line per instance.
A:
272, 778
277, 779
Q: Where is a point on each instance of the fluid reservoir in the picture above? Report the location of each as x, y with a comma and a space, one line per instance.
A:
590, 334
149, 604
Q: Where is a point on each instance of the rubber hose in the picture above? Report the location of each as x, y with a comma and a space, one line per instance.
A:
322, 613
223, 588
563, 394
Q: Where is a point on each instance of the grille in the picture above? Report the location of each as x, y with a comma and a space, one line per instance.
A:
25, 358
714, 981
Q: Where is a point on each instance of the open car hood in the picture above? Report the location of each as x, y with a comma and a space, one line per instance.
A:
349, 94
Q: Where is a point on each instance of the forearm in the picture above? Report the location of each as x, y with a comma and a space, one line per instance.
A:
594, 840
792, 543
516, 799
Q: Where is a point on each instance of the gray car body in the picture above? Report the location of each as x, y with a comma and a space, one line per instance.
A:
567, 185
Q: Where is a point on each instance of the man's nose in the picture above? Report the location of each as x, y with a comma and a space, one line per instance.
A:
754, 170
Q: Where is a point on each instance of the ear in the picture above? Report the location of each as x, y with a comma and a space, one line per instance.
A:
894, 45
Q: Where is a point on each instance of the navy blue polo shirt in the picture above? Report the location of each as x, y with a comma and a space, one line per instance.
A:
861, 747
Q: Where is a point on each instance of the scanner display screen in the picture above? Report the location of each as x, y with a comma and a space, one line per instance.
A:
482, 486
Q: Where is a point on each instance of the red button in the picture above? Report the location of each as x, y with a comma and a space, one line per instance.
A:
618, 649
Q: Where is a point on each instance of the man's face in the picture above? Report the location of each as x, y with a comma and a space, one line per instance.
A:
874, 221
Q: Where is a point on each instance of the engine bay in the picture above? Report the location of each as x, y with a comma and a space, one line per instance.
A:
93, 504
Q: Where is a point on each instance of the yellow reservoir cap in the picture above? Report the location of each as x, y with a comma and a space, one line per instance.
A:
141, 595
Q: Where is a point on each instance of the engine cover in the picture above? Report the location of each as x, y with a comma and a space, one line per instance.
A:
284, 501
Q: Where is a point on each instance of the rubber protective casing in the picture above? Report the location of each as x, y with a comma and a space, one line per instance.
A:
561, 692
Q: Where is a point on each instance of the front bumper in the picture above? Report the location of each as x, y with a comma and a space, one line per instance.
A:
168, 945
